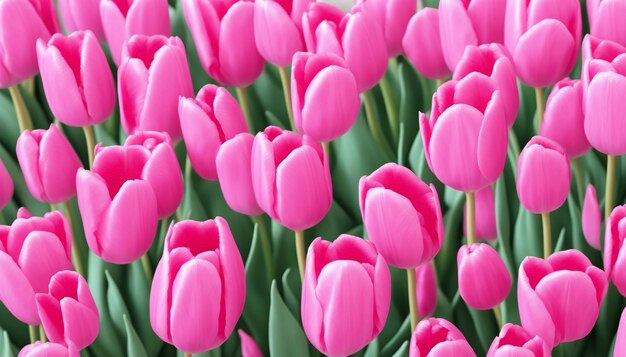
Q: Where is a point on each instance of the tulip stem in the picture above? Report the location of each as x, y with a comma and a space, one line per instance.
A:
147, 268
439, 82
21, 111
372, 121
185, 354
410, 277
78, 263
300, 252
390, 106
539, 94
90, 138
578, 174
497, 313
470, 203
42, 334
266, 246
242, 94
29, 86
611, 166
32, 332
547, 236
285, 81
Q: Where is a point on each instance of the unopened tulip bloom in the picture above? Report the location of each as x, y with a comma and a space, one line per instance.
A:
32, 250
346, 293
513, 340
438, 337
224, 36
402, 215
82, 15
291, 178
426, 289
422, 44
484, 280
76, 78
614, 250
123, 19
49, 164
207, 121
201, 271
48, 349
559, 297
535, 27
324, 95
605, 20
249, 348
392, 16
6, 186
591, 218
620, 338
485, 215
68, 312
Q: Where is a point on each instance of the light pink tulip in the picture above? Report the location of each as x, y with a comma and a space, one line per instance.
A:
559, 297
513, 340
620, 338
485, 218
426, 289
346, 294
249, 348
392, 16
422, 44
82, 15
484, 280
543, 175
223, 32
32, 250
68, 312
465, 140
469, 22
49, 164
438, 337
291, 178
402, 215
201, 271
614, 250
605, 19
76, 78
234, 171
121, 19
591, 218
324, 95
6, 186
536, 27
207, 121
48, 349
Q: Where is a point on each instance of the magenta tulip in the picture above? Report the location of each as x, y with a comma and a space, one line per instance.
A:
513, 340
402, 215
6, 186
484, 280
291, 178
201, 271
392, 16
346, 294
438, 337
605, 20
82, 15
249, 348
485, 216
76, 78
68, 312
224, 36
620, 338
48, 349
559, 297
324, 95
32, 250
426, 289
422, 44
207, 121
614, 250
591, 218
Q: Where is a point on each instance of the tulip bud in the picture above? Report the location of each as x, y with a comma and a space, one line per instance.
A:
392, 17
201, 271
346, 294
207, 121
277, 30
422, 44
76, 78
438, 337
426, 289
614, 261
543, 175
559, 298
486, 228
591, 218
325, 98
48, 349
249, 347
82, 15
605, 20
620, 337
484, 280
68, 312
6, 186
513, 340
402, 215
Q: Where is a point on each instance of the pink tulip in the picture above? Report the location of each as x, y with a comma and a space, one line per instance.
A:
234, 171
324, 95
76, 78
543, 175
485, 218
422, 44
469, 22
22, 22
346, 294
207, 121
393, 17
426, 289
605, 19
32, 250
82, 15
484, 280
291, 178
614, 250
591, 218
355, 36
121, 19
620, 338
6, 186
465, 140
249, 348
153, 75
48, 349
49, 164
515, 341
402, 215
223, 32
536, 27
563, 120
68, 312
438, 337
559, 297
201, 271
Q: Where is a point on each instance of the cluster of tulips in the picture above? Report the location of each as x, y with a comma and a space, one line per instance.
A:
133, 195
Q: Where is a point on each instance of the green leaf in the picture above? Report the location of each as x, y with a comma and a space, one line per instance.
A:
527, 237
402, 335
6, 348
292, 299
286, 335
372, 349
485, 325
138, 288
560, 242
117, 306
403, 350
445, 260
134, 348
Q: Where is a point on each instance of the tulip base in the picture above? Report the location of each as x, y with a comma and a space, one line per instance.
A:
547, 235
470, 203
410, 277
23, 117
611, 166
90, 138
300, 252
285, 81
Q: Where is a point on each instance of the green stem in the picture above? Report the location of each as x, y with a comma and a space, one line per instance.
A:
90, 138
578, 174
470, 203
242, 94
33, 333
410, 276
42, 334
373, 123
21, 111
611, 166
390, 106
439, 82
300, 252
541, 105
185, 354
266, 246
147, 267
547, 235
3, 220
78, 263
285, 81
188, 171
497, 313
29, 86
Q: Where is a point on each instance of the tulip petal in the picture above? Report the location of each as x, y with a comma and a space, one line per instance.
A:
27, 149
42, 256
97, 80
604, 108
591, 218
276, 35
16, 293
487, 18
493, 139
163, 173
457, 31
93, 200
114, 25
422, 44
82, 324
534, 314
132, 86
51, 317
58, 164
608, 23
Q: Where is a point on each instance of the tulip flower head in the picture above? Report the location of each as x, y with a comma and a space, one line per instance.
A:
426, 289
48, 349
393, 17
82, 15
620, 338
513, 340
486, 228
605, 19
614, 250
438, 337
484, 280
422, 44
249, 348
591, 218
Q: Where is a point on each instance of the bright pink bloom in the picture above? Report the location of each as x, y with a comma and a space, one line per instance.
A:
614, 250
392, 16
485, 215
82, 15
536, 27
438, 337
606, 20
559, 297
6, 186
201, 271
68, 312
223, 32
591, 218
207, 121
324, 95
426, 289
48, 349
543, 175
620, 338
422, 44
291, 178
76, 78
515, 341
402, 215
249, 348
346, 294
32, 250
484, 280
152, 77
